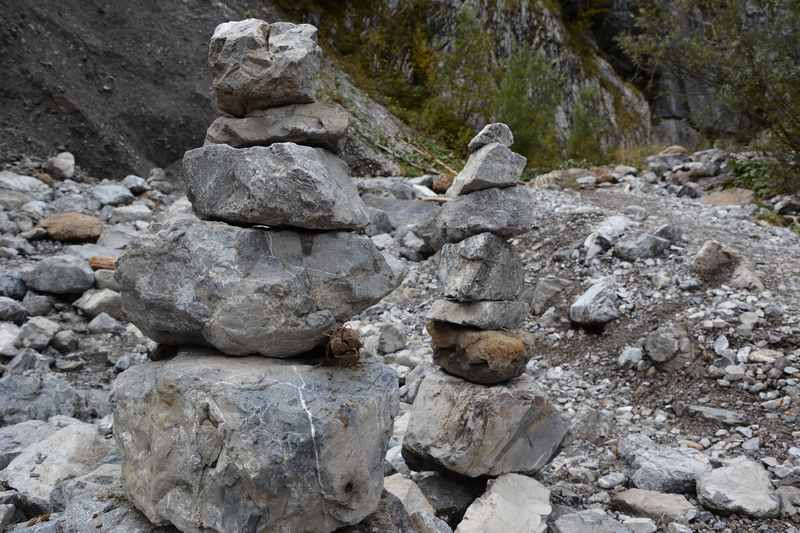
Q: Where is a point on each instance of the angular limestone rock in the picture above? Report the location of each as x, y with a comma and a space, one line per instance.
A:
596, 306
482, 267
474, 430
512, 504
742, 486
479, 356
285, 185
211, 443
316, 124
505, 212
248, 290
481, 315
492, 133
256, 65
492, 166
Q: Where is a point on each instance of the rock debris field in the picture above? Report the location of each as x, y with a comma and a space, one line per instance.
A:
269, 345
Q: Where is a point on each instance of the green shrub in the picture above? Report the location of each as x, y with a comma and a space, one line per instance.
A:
526, 99
588, 127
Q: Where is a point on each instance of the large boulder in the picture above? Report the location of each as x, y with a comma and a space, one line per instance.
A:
248, 290
474, 430
742, 486
480, 356
493, 165
511, 504
284, 184
211, 443
505, 212
481, 315
315, 124
256, 65
482, 267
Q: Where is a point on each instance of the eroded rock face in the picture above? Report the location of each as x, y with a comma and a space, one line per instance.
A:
479, 356
215, 444
482, 267
475, 430
256, 65
309, 124
505, 212
248, 291
284, 184
493, 165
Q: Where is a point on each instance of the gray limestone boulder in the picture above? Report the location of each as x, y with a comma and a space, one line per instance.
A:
487, 357
284, 184
71, 451
590, 520
16, 437
742, 486
663, 469
256, 65
505, 212
17, 190
481, 267
61, 166
474, 430
248, 290
210, 443
320, 125
37, 395
641, 246
61, 274
512, 503
494, 165
492, 133
597, 306
481, 315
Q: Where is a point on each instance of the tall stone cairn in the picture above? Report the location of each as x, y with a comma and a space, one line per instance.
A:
479, 415
237, 427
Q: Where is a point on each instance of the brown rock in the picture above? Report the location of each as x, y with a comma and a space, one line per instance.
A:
442, 183
655, 505
715, 261
485, 357
73, 227
733, 196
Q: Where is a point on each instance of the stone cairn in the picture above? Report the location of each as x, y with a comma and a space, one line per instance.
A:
265, 263
479, 414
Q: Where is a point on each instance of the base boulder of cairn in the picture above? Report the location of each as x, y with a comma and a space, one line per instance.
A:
248, 291
474, 430
486, 357
215, 444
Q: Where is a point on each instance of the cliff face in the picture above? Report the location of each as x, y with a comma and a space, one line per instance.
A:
125, 87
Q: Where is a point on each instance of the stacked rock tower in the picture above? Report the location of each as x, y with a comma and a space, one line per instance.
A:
478, 414
266, 263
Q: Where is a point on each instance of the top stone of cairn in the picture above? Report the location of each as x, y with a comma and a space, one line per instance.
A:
256, 65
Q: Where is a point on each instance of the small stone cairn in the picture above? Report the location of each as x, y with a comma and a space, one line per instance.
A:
266, 263
479, 415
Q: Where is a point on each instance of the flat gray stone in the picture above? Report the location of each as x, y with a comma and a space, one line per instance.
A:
505, 212
511, 504
16, 437
493, 166
742, 487
481, 267
253, 443
61, 274
285, 185
482, 315
474, 430
591, 520
656, 505
256, 65
317, 124
248, 290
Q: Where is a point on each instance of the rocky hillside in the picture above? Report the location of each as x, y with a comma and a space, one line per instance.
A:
126, 88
